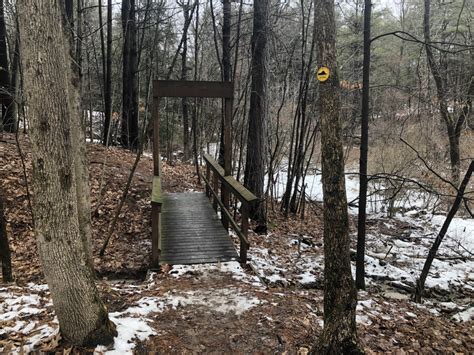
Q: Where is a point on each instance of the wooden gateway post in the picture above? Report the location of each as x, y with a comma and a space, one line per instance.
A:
172, 88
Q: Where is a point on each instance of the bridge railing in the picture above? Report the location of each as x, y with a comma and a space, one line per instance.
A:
214, 178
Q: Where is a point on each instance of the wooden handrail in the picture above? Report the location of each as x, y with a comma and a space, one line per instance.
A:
229, 183
239, 191
237, 229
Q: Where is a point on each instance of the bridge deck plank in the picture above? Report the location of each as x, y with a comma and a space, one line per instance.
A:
191, 232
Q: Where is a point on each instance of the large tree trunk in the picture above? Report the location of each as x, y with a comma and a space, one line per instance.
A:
54, 121
5, 256
129, 133
364, 149
6, 94
79, 142
255, 160
340, 295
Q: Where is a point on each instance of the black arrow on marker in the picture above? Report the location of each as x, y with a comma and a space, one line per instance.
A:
322, 73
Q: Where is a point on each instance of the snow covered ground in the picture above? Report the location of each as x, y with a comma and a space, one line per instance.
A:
396, 251
27, 319
396, 248
378, 193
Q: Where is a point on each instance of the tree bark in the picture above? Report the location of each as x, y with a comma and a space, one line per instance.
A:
226, 68
104, 76
5, 256
256, 152
6, 94
54, 119
194, 123
184, 71
129, 129
340, 296
80, 154
108, 77
78, 141
364, 148
14, 82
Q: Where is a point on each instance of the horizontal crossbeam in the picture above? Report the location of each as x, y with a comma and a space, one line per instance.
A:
183, 88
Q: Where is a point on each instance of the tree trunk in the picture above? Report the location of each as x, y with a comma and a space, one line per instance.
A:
184, 71
79, 149
340, 295
364, 148
5, 256
256, 152
454, 155
453, 125
194, 123
108, 77
54, 118
226, 69
105, 132
6, 98
129, 130
14, 83
79, 40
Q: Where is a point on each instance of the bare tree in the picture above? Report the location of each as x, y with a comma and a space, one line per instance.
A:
107, 70
226, 66
57, 176
364, 148
340, 296
129, 130
454, 120
184, 71
255, 160
6, 94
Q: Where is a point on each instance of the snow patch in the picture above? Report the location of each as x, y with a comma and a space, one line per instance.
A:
231, 267
307, 278
464, 316
225, 300
128, 329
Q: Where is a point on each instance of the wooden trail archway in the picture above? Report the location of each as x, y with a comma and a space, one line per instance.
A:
184, 229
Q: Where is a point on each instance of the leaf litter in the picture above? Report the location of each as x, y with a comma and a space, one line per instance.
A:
275, 305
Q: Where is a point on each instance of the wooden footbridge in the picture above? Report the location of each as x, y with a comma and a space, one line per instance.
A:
186, 228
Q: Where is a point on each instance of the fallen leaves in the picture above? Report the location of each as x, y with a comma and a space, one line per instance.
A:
289, 316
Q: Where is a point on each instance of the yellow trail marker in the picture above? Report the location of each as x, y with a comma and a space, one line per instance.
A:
323, 74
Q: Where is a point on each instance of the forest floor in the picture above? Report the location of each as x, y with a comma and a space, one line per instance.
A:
224, 308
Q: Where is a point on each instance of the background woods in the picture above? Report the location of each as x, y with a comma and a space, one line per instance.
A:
353, 176
424, 66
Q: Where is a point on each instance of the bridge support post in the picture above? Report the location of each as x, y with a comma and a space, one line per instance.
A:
155, 235
215, 187
156, 190
228, 102
245, 230
208, 177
